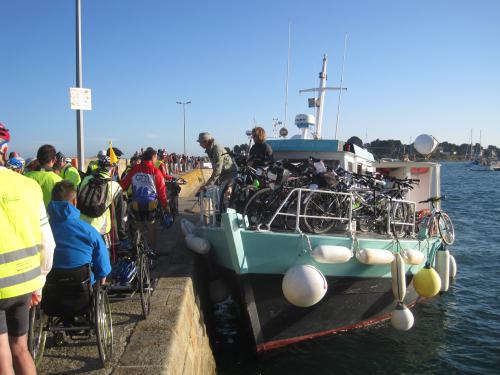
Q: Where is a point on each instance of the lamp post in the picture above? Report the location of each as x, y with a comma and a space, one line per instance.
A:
184, 114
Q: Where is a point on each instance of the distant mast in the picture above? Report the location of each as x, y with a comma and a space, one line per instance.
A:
319, 101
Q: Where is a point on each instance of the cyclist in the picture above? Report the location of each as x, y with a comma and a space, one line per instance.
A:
45, 176
77, 242
68, 172
134, 160
26, 249
92, 167
100, 201
160, 163
148, 189
15, 163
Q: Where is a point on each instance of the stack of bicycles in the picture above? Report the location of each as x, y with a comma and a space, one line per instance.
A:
307, 196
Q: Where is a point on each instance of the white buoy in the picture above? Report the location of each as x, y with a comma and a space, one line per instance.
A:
402, 318
413, 257
443, 268
398, 273
187, 227
375, 256
331, 254
453, 267
197, 244
304, 286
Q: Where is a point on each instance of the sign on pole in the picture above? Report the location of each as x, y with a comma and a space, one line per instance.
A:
80, 98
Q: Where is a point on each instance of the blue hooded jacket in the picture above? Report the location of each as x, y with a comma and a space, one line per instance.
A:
77, 242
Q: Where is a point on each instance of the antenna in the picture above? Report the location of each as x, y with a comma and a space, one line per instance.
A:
287, 72
340, 91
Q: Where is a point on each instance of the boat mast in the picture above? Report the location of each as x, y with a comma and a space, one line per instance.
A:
287, 73
340, 91
318, 102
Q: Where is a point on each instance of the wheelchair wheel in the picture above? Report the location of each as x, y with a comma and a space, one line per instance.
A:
103, 326
144, 284
36, 334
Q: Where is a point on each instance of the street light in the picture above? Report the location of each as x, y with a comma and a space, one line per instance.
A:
184, 113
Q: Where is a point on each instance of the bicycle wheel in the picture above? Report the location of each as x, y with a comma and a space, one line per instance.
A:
144, 284
446, 229
324, 205
36, 334
399, 216
226, 196
241, 196
103, 326
258, 209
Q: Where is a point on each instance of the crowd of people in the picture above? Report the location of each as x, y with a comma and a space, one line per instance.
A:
53, 215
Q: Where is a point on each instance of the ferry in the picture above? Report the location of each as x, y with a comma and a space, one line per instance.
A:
295, 285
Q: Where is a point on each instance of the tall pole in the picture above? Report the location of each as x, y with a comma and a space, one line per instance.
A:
79, 112
184, 116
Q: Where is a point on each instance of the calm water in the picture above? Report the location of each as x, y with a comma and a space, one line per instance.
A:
458, 333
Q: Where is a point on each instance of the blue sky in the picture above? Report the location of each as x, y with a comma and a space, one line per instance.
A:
411, 68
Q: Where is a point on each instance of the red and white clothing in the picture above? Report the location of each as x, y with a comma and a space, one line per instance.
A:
148, 184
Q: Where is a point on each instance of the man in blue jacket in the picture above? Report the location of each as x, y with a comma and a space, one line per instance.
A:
77, 242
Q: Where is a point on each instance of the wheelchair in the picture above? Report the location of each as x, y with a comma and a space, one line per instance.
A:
71, 306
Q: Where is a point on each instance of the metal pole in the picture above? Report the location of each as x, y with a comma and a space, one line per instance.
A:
79, 113
184, 112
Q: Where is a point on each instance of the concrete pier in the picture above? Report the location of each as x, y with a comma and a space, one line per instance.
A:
174, 338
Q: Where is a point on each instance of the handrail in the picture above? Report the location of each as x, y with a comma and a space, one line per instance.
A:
298, 215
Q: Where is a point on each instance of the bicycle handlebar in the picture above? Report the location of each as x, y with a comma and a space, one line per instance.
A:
434, 199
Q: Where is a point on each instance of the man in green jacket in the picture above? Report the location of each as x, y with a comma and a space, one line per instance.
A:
223, 168
45, 177
68, 172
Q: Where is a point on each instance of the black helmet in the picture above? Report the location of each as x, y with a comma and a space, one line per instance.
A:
60, 158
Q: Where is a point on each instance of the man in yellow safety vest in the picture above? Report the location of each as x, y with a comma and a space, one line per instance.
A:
26, 251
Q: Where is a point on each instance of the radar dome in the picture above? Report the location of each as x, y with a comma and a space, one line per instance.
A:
425, 144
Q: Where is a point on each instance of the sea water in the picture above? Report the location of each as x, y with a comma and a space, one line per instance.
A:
458, 333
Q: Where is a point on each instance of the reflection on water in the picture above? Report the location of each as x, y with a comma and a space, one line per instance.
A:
454, 334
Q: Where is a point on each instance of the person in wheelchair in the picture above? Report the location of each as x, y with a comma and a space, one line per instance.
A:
77, 242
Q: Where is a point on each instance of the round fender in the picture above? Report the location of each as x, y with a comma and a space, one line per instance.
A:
304, 286
443, 268
402, 318
427, 282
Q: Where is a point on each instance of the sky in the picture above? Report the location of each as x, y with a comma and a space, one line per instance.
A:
411, 67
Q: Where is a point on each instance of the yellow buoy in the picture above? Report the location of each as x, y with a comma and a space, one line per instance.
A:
427, 282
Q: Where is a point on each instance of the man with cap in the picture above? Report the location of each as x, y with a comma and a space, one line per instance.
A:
68, 172
223, 168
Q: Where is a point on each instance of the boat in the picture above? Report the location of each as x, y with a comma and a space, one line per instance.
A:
296, 286
482, 162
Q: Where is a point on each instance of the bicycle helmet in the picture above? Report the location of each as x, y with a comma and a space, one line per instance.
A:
15, 163
101, 154
104, 162
60, 157
124, 271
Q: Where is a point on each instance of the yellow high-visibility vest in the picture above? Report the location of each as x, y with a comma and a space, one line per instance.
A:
20, 206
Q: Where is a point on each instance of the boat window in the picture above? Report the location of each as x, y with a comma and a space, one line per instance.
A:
360, 169
350, 167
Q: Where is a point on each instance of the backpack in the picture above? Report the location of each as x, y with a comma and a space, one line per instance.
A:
93, 196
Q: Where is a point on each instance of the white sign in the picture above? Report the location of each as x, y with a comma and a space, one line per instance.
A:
80, 98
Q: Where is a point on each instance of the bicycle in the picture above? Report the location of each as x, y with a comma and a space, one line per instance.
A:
437, 219
173, 191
